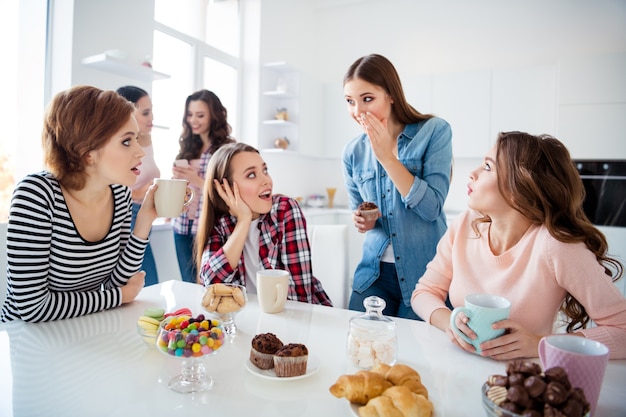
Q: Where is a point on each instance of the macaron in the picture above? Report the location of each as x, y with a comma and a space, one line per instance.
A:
179, 312
156, 313
148, 323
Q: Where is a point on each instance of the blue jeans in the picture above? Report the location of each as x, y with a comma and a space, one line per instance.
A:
184, 253
148, 265
387, 288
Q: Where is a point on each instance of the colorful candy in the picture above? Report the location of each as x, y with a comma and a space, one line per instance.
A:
186, 336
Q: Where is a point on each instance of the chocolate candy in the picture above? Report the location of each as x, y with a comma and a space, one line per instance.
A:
498, 381
558, 374
518, 395
525, 390
572, 407
555, 393
516, 379
535, 385
512, 407
531, 413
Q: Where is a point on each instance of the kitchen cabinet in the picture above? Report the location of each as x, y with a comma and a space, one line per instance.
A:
464, 100
110, 63
279, 106
524, 99
480, 104
592, 104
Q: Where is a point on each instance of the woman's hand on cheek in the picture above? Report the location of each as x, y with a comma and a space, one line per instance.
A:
236, 206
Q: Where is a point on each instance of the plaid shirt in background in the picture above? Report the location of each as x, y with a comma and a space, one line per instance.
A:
180, 224
283, 244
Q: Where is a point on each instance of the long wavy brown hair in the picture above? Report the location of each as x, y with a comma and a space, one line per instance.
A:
219, 129
213, 207
378, 70
541, 179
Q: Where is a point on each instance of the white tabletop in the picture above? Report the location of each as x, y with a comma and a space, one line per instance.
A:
97, 365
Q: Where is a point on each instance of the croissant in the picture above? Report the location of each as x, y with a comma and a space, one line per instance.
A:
397, 401
360, 387
402, 375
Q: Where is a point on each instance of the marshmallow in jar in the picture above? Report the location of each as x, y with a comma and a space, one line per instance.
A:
372, 337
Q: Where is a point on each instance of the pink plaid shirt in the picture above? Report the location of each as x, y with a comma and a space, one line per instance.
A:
283, 244
180, 224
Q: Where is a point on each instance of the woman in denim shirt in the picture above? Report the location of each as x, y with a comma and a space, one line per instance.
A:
402, 163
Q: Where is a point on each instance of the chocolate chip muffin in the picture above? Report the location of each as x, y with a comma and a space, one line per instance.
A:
368, 210
291, 360
264, 346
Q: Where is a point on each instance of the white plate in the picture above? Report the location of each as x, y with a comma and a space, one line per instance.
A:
355, 409
312, 367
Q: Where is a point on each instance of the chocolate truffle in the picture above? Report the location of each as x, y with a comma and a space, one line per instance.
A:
555, 393
534, 385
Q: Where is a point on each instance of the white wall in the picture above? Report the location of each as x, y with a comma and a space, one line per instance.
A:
426, 38
322, 38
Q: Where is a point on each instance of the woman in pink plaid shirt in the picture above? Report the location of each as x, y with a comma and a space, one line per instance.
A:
244, 227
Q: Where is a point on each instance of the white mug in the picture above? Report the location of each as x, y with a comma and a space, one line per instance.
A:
169, 198
272, 287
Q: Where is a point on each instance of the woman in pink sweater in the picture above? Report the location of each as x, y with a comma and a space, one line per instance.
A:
526, 238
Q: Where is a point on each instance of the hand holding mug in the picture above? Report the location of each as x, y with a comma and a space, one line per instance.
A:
482, 310
170, 197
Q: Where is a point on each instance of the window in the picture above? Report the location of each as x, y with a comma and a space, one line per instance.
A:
214, 22
23, 31
196, 43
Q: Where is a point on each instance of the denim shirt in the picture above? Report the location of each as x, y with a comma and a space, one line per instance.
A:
413, 223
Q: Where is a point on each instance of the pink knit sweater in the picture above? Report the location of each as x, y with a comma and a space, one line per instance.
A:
534, 275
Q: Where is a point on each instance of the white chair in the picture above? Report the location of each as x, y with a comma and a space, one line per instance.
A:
3, 261
329, 258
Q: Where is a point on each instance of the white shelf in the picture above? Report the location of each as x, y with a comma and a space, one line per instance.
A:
115, 65
280, 66
278, 123
279, 94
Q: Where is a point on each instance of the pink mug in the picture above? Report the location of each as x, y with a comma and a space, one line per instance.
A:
583, 359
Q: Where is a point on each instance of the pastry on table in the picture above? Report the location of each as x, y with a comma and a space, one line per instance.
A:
291, 360
360, 387
263, 348
397, 401
404, 375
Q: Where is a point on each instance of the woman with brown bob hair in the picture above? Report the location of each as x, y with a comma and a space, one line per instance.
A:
70, 248
527, 239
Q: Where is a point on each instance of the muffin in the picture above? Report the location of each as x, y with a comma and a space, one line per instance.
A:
291, 360
368, 210
264, 346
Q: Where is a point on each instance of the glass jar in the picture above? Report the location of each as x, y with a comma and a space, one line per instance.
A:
372, 338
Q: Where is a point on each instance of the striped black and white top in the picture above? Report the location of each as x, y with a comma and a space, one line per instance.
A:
53, 273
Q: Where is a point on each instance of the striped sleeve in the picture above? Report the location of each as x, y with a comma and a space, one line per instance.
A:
53, 273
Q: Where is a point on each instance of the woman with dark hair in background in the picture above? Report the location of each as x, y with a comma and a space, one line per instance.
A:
205, 130
149, 170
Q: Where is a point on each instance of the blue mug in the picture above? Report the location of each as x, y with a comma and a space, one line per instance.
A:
482, 310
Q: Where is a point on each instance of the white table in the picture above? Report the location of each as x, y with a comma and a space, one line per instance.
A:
97, 365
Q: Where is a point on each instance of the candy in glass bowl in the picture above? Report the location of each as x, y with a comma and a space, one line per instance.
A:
190, 339
224, 301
